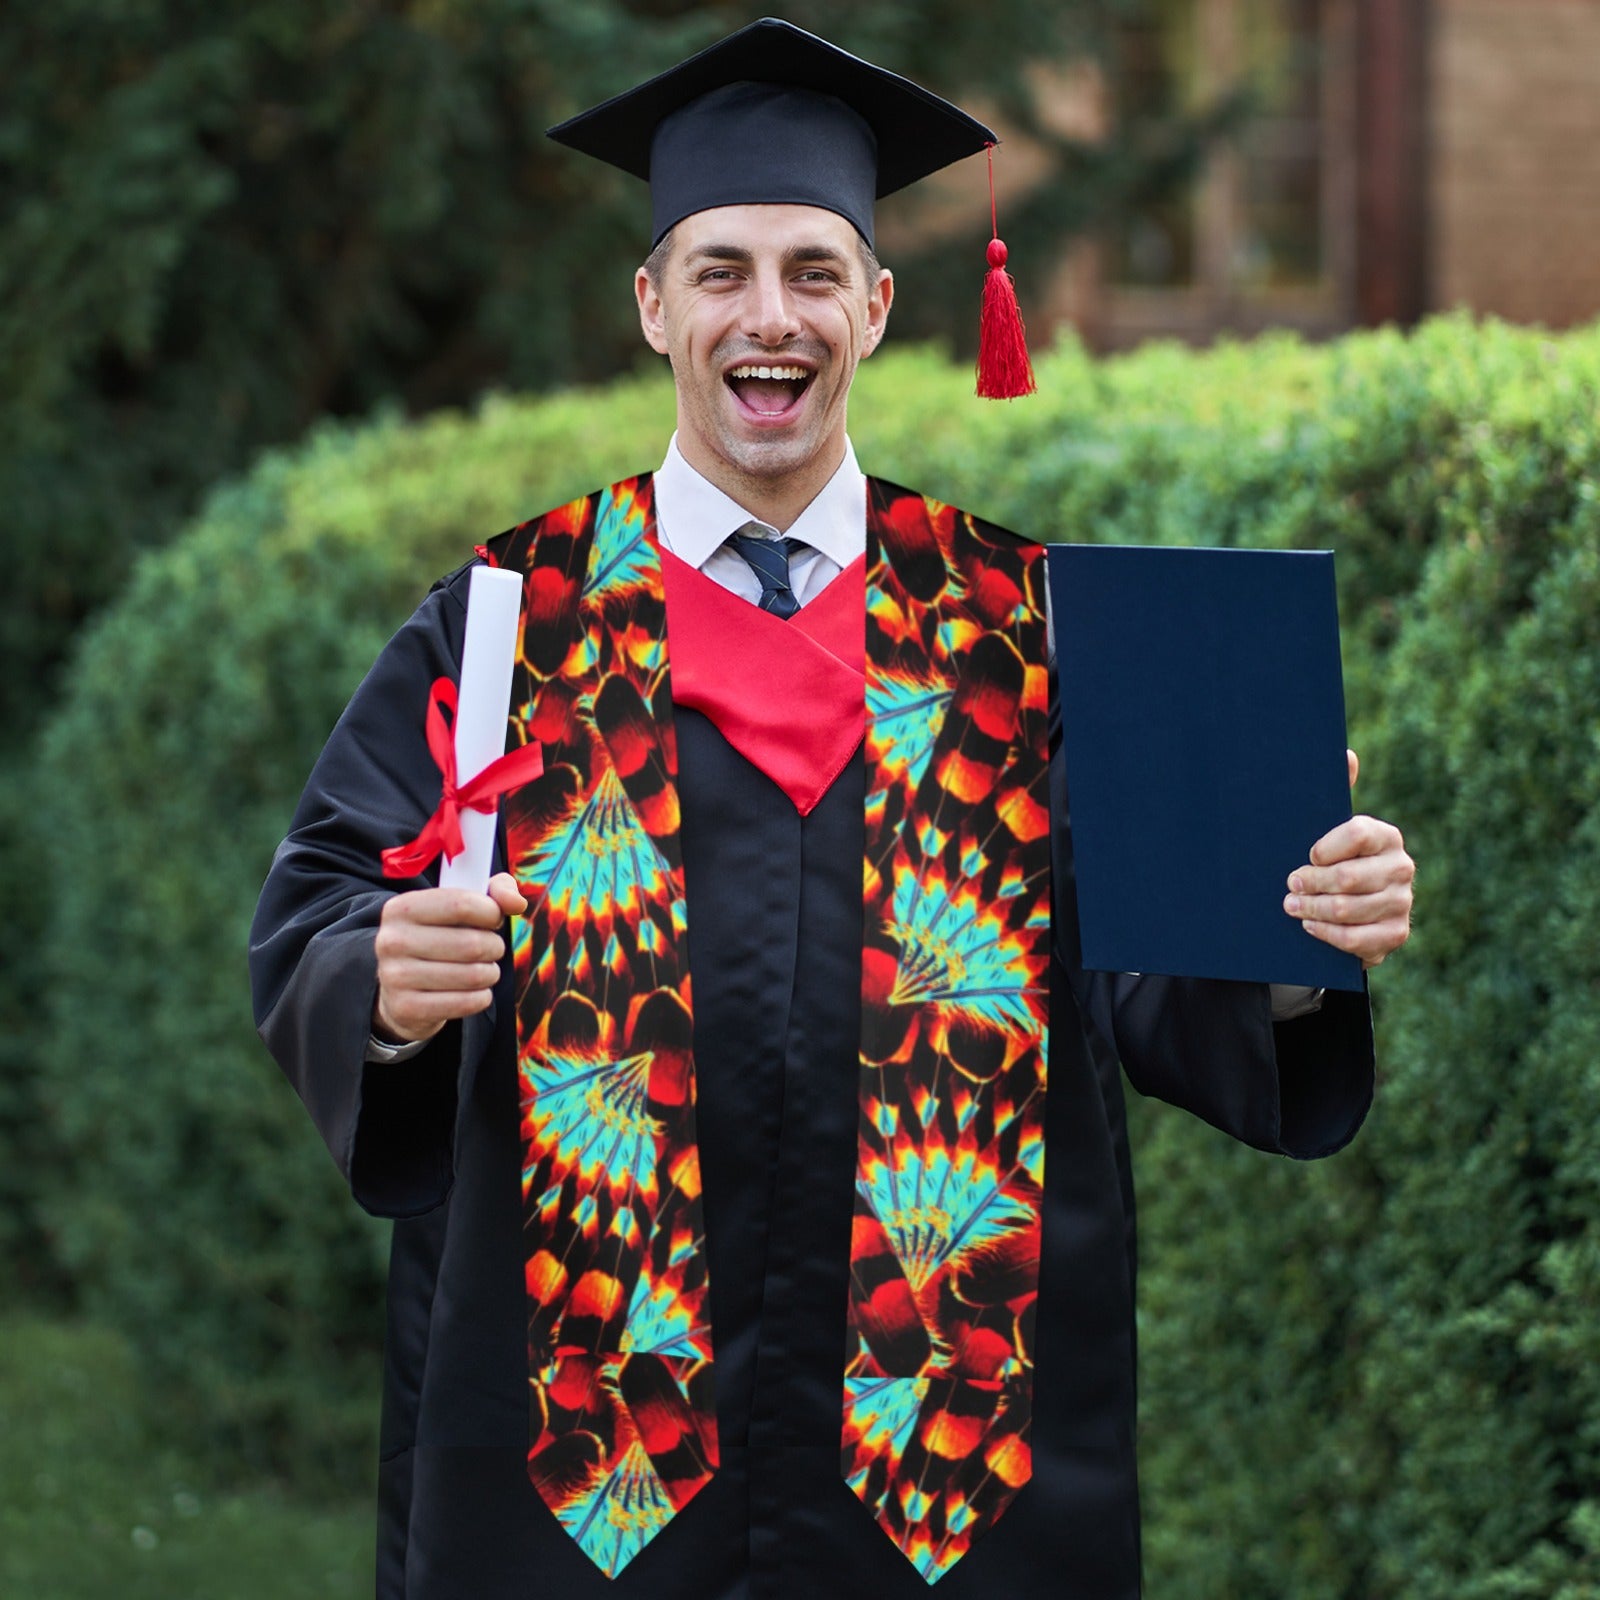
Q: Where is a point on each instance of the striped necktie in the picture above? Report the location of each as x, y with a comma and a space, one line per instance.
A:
769, 559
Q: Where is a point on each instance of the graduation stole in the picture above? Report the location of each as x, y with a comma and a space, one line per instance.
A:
938, 1364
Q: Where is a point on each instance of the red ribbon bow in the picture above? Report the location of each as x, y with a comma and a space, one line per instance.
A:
442, 831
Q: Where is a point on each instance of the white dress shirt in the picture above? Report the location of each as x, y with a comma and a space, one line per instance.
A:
694, 518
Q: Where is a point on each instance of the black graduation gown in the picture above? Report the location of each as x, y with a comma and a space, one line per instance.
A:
774, 949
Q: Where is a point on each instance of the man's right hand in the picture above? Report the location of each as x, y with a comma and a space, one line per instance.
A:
438, 957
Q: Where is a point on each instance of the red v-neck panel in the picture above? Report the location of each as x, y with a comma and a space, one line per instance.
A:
837, 618
789, 696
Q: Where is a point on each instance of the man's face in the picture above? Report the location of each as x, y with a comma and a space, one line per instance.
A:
780, 290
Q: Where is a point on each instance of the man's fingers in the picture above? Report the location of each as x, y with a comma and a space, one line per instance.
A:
504, 892
415, 1014
407, 973
444, 908
1370, 941
1360, 836
1360, 875
1357, 875
1353, 762
1384, 904
425, 941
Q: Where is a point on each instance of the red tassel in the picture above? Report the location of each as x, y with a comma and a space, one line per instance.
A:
1004, 370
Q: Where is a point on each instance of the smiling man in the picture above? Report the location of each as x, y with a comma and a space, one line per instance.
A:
763, 1209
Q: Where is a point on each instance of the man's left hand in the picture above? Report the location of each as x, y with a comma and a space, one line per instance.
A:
1355, 893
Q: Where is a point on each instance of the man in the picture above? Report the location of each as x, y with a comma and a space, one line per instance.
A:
744, 1245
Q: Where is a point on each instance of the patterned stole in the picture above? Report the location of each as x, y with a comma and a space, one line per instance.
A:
944, 1257
944, 1253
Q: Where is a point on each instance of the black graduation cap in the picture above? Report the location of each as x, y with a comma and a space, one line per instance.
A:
774, 115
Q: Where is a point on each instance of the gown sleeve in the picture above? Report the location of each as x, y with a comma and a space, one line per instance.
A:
1299, 1088
313, 964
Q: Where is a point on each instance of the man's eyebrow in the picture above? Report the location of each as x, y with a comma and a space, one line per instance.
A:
720, 252
820, 254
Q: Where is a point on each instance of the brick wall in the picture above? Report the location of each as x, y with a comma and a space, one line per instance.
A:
1514, 159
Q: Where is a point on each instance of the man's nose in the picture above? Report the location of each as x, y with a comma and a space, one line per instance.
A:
772, 319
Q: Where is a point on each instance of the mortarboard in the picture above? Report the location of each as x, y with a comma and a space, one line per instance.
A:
774, 115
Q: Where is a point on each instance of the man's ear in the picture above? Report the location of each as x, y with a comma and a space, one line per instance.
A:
652, 315
878, 303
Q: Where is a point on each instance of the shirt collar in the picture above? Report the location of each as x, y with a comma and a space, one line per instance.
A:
694, 517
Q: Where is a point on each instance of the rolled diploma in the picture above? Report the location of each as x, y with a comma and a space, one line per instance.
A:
494, 605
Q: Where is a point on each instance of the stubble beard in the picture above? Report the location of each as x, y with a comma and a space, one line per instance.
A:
768, 459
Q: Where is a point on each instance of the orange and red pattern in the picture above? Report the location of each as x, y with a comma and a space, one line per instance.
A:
944, 1258
623, 1428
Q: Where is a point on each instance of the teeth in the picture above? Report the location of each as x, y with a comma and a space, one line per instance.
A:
798, 374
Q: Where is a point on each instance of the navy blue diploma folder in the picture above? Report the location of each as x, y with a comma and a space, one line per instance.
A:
1202, 715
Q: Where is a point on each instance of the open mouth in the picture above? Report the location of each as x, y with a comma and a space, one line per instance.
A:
769, 391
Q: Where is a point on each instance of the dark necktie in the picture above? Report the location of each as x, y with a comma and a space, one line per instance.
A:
769, 560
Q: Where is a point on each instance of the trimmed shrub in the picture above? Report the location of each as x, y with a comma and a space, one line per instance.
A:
1376, 1377
195, 1208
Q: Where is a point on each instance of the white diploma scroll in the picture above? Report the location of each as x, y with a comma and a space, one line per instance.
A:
494, 604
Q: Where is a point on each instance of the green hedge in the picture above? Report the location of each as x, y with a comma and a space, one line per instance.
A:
1378, 1377
1371, 1378
190, 1201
